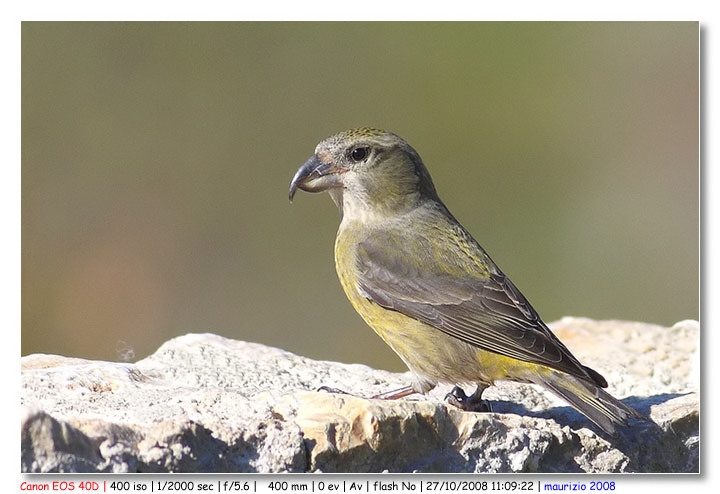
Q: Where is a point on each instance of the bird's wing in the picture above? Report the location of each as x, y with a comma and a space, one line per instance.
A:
480, 306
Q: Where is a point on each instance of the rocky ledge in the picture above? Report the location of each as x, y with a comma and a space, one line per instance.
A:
204, 403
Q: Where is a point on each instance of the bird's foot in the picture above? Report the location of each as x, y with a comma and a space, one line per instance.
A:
473, 403
328, 389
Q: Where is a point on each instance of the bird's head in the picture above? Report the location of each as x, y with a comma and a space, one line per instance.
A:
366, 171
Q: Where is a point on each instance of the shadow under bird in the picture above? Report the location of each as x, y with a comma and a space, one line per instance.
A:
429, 290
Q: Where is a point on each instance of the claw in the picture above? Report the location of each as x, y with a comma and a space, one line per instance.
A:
473, 403
328, 389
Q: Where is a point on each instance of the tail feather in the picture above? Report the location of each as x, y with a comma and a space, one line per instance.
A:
590, 400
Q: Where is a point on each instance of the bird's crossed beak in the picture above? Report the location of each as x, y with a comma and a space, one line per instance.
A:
315, 176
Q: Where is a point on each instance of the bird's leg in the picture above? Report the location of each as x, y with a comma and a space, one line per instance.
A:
387, 395
395, 393
472, 403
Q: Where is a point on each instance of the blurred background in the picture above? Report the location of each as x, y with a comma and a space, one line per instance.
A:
156, 160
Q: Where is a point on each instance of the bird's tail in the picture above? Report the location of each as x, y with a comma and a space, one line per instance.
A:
590, 400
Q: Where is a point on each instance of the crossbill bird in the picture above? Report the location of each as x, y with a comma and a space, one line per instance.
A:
429, 290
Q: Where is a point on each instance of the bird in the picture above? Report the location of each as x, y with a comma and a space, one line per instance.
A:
421, 281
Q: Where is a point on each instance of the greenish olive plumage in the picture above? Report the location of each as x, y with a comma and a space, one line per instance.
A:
427, 288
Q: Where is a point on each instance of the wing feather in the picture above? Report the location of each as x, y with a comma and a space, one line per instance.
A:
481, 308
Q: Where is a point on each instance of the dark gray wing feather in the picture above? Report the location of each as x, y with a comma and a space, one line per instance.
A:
486, 310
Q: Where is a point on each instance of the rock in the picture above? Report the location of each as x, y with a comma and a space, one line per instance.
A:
204, 403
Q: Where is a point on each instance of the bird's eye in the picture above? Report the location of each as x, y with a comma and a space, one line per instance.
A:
359, 154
